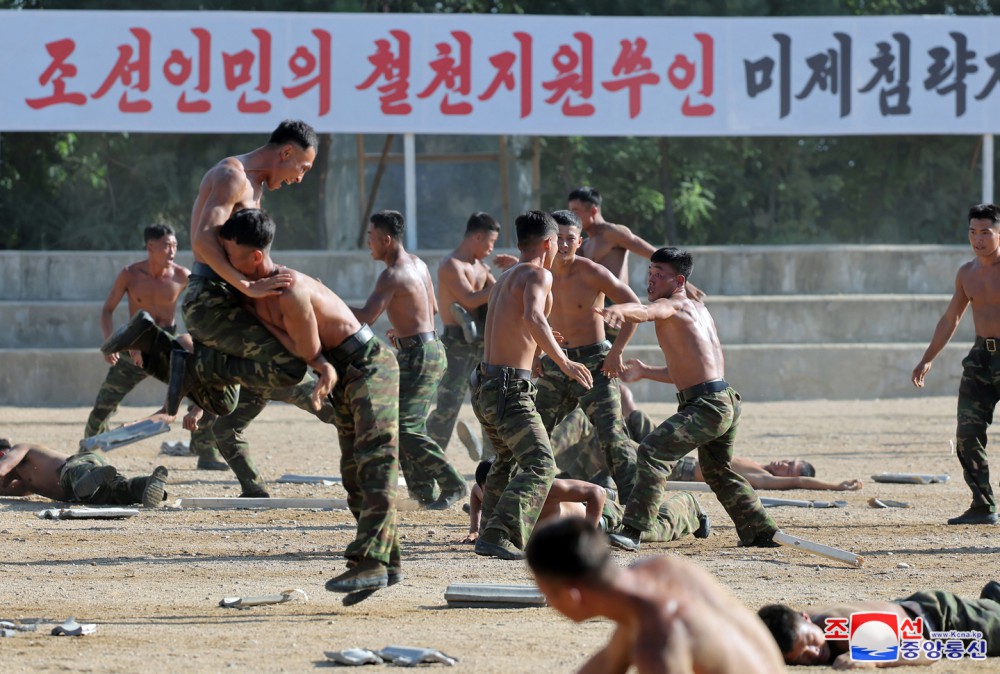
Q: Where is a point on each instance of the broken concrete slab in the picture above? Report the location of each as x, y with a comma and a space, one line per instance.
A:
886, 503
407, 656
325, 480
264, 600
87, 513
226, 503
911, 478
484, 595
819, 549
124, 435
687, 486
775, 502
353, 657
71, 628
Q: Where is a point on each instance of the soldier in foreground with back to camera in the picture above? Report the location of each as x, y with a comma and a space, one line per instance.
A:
503, 396
708, 412
670, 615
977, 283
404, 291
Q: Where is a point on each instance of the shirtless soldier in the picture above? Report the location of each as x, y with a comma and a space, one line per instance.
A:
153, 285
671, 615
503, 396
708, 413
463, 279
313, 323
579, 286
212, 307
977, 283
405, 291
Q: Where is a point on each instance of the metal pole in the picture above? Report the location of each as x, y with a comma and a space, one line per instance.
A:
410, 188
987, 168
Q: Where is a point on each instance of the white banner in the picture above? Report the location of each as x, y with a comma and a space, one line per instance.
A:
237, 72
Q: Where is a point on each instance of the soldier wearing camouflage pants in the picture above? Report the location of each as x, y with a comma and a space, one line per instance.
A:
503, 396
405, 292
579, 286
979, 390
708, 413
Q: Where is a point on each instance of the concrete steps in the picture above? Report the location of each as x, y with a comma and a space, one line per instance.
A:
795, 322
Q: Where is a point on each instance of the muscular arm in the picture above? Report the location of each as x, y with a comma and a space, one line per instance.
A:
944, 331
636, 370
475, 513
303, 339
463, 292
11, 458
623, 237
385, 288
619, 293
578, 491
115, 296
768, 481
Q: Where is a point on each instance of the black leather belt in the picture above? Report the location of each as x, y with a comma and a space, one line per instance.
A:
416, 340
202, 269
347, 349
702, 389
454, 332
587, 351
988, 343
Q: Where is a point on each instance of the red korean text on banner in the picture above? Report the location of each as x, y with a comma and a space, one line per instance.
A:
574, 73
454, 75
394, 68
633, 70
178, 68
682, 73
304, 63
127, 69
238, 69
56, 74
504, 64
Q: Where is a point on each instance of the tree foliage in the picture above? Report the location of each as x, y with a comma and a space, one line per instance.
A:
98, 190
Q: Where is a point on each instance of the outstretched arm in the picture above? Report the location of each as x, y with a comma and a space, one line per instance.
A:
619, 293
944, 331
800, 482
635, 370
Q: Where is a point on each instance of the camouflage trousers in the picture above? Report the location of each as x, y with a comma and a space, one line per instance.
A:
366, 411
707, 423
944, 611
121, 491
978, 394
122, 377
422, 460
229, 430
462, 360
676, 518
240, 349
558, 395
512, 503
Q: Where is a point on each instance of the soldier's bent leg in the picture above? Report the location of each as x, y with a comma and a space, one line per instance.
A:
232, 443
602, 403
462, 359
949, 612
639, 425
122, 377
676, 518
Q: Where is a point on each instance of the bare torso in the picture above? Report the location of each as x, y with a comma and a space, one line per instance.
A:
574, 299
508, 342
981, 284
36, 471
412, 306
335, 321
681, 612
451, 272
690, 344
157, 294
598, 248
229, 178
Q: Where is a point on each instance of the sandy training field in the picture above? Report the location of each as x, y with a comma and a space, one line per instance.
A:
153, 583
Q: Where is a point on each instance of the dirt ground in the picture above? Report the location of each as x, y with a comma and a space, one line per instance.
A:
153, 583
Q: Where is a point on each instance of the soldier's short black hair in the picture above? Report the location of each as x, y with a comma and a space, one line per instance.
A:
586, 195
989, 212
294, 131
481, 221
482, 470
249, 227
783, 622
533, 226
808, 470
566, 218
5, 444
680, 260
390, 222
568, 548
157, 232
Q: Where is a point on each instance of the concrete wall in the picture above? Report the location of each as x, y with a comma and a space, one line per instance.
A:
796, 321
